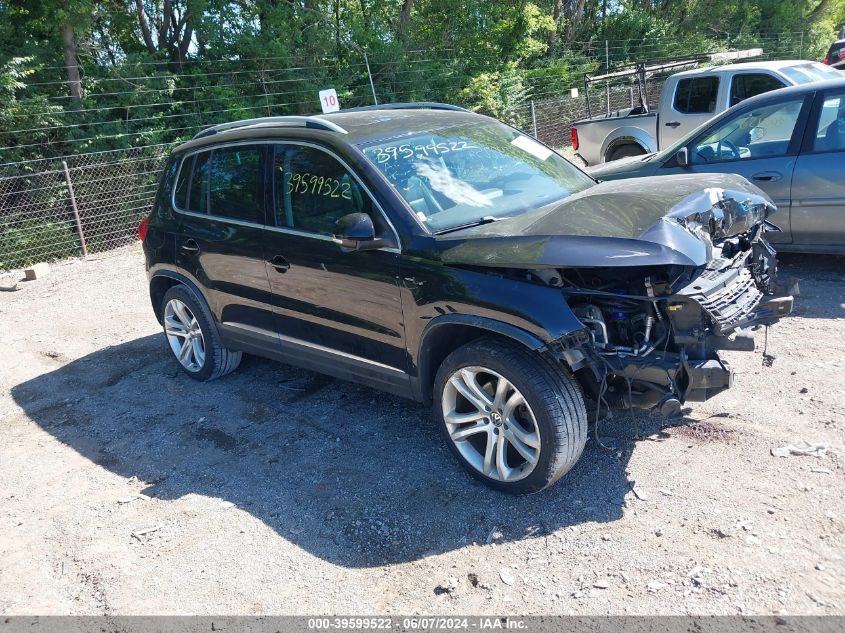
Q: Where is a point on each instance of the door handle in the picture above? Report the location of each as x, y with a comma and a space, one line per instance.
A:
280, 264
767, 176
190, 246
673, 123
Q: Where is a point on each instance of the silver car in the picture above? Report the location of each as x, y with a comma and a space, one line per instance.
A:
789, 142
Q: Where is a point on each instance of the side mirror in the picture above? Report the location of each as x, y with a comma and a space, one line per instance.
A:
355, 232
682, 157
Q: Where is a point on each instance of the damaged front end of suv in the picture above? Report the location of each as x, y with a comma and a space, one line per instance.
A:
661, 278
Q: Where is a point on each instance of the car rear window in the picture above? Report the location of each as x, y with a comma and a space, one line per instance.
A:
226, 182
235, 183
696, 95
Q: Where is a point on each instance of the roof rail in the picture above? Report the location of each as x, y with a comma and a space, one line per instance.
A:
419, 105
280, 121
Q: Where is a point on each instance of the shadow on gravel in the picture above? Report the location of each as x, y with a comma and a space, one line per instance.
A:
351, 475
821, 279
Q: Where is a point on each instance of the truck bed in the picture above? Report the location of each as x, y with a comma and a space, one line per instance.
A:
593, 131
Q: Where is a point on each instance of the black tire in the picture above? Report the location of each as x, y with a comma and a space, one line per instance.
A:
550, 391
625, 151
218, 360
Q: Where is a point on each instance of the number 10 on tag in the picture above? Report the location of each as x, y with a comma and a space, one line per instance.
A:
328, 99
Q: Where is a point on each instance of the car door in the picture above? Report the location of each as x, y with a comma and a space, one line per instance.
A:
220, 196
338, 312
818, 189
693, 103
760, 143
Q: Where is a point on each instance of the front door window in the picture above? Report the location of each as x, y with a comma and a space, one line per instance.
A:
763, 132
314, 190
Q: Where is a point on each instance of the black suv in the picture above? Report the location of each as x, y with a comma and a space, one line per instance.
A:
444, 256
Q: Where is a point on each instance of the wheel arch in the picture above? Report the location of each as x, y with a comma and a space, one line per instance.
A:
164, 280
447, 333
627, 136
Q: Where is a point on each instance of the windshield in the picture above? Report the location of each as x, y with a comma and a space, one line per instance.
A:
461, 175
807, 73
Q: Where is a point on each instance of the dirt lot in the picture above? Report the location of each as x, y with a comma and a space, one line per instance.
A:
127, 488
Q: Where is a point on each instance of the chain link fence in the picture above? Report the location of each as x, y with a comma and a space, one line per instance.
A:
87, 203
551, 119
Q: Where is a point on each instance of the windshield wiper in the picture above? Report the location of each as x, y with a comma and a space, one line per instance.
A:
487, 219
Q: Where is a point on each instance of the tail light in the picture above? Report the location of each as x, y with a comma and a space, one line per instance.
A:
574, 134
142, 228
826, 59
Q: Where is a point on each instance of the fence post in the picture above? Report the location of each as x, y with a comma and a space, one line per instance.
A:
75, 210
370, 75
801, 52
533, 119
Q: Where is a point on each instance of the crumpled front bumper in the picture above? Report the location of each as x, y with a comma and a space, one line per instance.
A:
715, 311
671, 375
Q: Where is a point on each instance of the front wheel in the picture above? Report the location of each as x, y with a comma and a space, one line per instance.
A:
514, 420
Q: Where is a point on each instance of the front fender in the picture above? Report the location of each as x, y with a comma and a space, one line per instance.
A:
435, 295
519, 335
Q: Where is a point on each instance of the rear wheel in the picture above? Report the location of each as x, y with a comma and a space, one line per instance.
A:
625, 151
193, 338
514, 421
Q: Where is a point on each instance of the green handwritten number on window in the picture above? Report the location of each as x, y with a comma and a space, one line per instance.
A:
326, 186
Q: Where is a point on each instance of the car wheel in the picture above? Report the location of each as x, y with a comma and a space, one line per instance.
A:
625, 151
514, 420
193, 338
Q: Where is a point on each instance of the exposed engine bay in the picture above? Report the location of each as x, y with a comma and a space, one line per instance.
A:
654, 331
656, 280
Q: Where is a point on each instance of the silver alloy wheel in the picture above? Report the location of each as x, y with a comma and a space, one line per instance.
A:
184, 335
491, 424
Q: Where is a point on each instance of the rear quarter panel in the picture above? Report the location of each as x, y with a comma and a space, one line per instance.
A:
598, 136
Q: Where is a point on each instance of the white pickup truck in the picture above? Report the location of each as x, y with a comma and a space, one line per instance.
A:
687, 100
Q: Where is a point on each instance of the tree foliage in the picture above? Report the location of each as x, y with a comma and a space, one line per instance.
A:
91, 75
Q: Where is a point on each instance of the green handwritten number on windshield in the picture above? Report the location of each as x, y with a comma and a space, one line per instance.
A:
407, 151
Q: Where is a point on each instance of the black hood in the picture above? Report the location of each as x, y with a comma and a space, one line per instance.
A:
635, 222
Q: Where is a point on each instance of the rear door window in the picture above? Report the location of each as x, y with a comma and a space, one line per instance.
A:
236, 180
226, 182
745, 85
696, 95
830, 132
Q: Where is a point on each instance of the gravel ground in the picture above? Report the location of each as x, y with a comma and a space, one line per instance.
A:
127, 488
